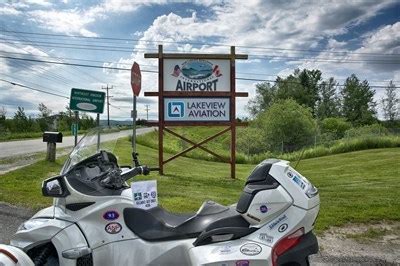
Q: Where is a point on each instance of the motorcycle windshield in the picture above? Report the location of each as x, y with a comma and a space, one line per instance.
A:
100, 138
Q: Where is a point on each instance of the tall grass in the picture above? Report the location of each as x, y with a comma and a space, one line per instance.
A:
173, 145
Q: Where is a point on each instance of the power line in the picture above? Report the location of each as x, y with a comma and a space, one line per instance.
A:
261, 56
148, 71
120, 63
194, 43
277, 57
87, 74
27, 87
72, 64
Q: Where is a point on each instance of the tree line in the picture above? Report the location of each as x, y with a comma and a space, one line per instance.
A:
46, 120
292, 112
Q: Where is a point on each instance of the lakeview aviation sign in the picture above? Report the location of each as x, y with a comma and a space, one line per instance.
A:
196, 109
197, 75
196, 90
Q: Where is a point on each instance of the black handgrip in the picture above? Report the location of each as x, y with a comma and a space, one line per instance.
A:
135, 171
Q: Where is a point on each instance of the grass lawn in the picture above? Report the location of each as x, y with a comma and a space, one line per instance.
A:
360, 186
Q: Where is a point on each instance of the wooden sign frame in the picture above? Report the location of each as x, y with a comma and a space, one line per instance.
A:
163, 125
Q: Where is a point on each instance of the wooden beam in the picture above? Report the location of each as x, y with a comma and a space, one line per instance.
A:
209, 124
196, 94
151, 93
195, 56
196, 145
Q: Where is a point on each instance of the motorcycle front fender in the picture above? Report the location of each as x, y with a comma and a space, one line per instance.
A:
37, 231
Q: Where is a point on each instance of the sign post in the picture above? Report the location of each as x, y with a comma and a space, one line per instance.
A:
196, 90
136, 84
87, 101
76, 128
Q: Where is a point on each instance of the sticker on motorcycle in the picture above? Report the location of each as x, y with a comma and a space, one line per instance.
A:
242, 263
298, 181
282, 228
263, 208
266, 238
113, 228
226, 250
277, 221
250, 249
111, 215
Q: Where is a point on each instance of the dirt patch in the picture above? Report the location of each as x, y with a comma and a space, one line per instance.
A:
360, 244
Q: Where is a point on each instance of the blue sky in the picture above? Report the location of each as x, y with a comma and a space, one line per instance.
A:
337, 37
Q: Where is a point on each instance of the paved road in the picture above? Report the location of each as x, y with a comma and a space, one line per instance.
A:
15, 148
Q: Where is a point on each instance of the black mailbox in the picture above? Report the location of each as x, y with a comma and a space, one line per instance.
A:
52, 137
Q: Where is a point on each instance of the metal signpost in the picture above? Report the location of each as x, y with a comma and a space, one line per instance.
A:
87, 101
196, 90
136, 84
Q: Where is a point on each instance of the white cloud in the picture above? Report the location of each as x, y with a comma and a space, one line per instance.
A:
43, 3
71, 21
77, 21
9, 10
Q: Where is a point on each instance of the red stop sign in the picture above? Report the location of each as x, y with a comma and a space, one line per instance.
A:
136, 79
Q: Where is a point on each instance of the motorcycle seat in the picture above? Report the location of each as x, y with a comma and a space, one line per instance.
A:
157, 224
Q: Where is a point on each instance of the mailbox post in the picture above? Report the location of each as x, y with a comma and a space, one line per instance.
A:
52, 138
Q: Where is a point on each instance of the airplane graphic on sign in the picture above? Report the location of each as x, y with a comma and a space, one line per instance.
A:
176, 109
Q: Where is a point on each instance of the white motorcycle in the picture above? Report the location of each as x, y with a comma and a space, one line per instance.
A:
93, 220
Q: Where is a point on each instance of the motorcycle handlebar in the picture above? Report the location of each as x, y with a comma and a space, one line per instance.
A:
144, 170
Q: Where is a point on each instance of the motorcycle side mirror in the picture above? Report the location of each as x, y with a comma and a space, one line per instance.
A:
55, 187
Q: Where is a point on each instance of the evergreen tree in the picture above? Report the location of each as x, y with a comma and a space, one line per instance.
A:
20, 121
358, 104
390, 103
328, 102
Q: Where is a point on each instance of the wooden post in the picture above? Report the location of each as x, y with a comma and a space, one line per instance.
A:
233, 114
160, 110
51, 152
77, 126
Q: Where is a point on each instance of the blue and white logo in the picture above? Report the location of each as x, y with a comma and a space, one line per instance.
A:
176, 109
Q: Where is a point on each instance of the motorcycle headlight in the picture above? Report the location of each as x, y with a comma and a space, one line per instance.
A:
29, 224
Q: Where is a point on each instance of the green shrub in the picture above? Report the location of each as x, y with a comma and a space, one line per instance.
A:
334, 127
286, 126
367, 131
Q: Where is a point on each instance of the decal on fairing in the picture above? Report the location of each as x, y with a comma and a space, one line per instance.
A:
277, 221
242, 263
111, 215
113, 228
282, 228
299, 182
263, 208
266, 238
250, 249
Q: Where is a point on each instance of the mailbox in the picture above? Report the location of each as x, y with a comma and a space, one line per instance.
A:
52, 137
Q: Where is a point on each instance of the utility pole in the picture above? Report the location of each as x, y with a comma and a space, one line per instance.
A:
108, 103
147, 111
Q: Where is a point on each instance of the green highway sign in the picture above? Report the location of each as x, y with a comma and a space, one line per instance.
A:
87, 100
74, 129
